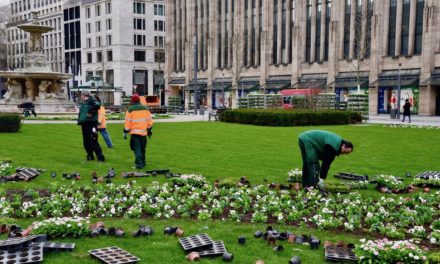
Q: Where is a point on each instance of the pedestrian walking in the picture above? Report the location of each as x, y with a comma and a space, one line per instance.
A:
88, 120
102, 124
316, 145
139, 123
407, 111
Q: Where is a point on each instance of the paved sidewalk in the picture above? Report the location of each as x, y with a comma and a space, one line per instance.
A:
174, 118
416, 120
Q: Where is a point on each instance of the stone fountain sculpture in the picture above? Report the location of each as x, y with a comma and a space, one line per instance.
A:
36, 82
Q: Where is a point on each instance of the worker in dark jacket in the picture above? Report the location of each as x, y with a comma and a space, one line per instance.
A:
318, 145
88, 119
139, 123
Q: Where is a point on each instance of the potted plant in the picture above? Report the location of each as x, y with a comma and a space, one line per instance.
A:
295, 177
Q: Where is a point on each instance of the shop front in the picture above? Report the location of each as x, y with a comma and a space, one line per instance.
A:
274, 84
248, 85
221, 93
346, 83
200, 88
388, 90
175, 93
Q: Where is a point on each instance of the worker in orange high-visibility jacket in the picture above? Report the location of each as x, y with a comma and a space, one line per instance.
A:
139, 123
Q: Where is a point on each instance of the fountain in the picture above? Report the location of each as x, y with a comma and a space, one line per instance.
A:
36, 82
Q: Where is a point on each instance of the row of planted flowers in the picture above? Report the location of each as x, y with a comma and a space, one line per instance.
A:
192, 197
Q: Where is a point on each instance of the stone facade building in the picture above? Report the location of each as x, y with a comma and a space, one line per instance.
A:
339, 46
121, 41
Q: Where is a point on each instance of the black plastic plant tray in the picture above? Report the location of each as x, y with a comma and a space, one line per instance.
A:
218, 249
113, 255
32, 254
19, 242
334, 253
351, 176
158, 171
134, 174
428, 174
55, 246
196, 243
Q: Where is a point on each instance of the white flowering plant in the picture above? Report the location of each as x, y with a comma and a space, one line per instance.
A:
5, 168
389, 181
295, 175
62, 227
385, 251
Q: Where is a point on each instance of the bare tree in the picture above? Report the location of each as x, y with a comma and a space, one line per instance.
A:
237, 55
159, 58
361, 28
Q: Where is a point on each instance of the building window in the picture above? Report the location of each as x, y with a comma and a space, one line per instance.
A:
139, 55
109, 40
318, 31
88, 28
99, 56
89, 43
392, 28
275, 32
158, 41
98, 26
309, 31
108, 24
98, 42
88, 12
328, 15
97, 10
347, 24
109, 55
419, 27
159, 10
139, 40
108, 7
159, 25
139, 23
89, 57
159, 56
405, 27
138, 8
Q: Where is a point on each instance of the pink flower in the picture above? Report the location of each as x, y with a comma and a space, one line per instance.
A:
376, 253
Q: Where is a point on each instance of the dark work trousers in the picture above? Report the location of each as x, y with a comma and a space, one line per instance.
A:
138, 144
310, 170
90, 142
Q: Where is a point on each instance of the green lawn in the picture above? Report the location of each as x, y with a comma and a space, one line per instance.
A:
216, 151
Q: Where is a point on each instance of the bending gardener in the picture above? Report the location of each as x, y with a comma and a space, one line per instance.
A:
319, 145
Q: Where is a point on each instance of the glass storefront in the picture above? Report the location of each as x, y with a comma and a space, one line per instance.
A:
341, 93
387, 99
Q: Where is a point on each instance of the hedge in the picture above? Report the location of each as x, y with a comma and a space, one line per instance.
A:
279, 117
10, 122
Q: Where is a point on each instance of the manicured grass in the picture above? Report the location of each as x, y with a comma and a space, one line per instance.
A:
216, 151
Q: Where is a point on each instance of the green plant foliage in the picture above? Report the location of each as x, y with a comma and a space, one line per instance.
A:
10, 122
278, 117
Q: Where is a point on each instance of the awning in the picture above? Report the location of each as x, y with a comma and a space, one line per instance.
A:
248, 83
277, 82
434, 79
201, 85
349, 80
177, 81
312, 81
221, 84
391, 78
289, 92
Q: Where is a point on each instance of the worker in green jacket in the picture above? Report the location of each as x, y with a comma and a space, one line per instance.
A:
316, 145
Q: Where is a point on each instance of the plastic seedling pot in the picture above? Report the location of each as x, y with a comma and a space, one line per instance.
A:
111, 231
119, 232
291, 238
193, 256
178, 232
227, 257
314, 244
241, 240
295, 260
147, 231
258, 234
278, 248
168, 230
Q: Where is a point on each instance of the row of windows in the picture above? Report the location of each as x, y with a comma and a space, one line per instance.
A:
108, 26
108, 41
23, 5
99, 56
108, 10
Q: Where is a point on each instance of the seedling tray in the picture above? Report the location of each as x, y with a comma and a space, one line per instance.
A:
196, 243
113, 255
134, 174
351, 176
428, 174
18, 243
218, 249
334, 253
55, 246
32, 254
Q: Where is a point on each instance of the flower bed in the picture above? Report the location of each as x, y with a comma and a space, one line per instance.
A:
192, 197
385, 251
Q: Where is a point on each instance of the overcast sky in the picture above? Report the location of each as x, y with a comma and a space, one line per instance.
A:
4, 2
